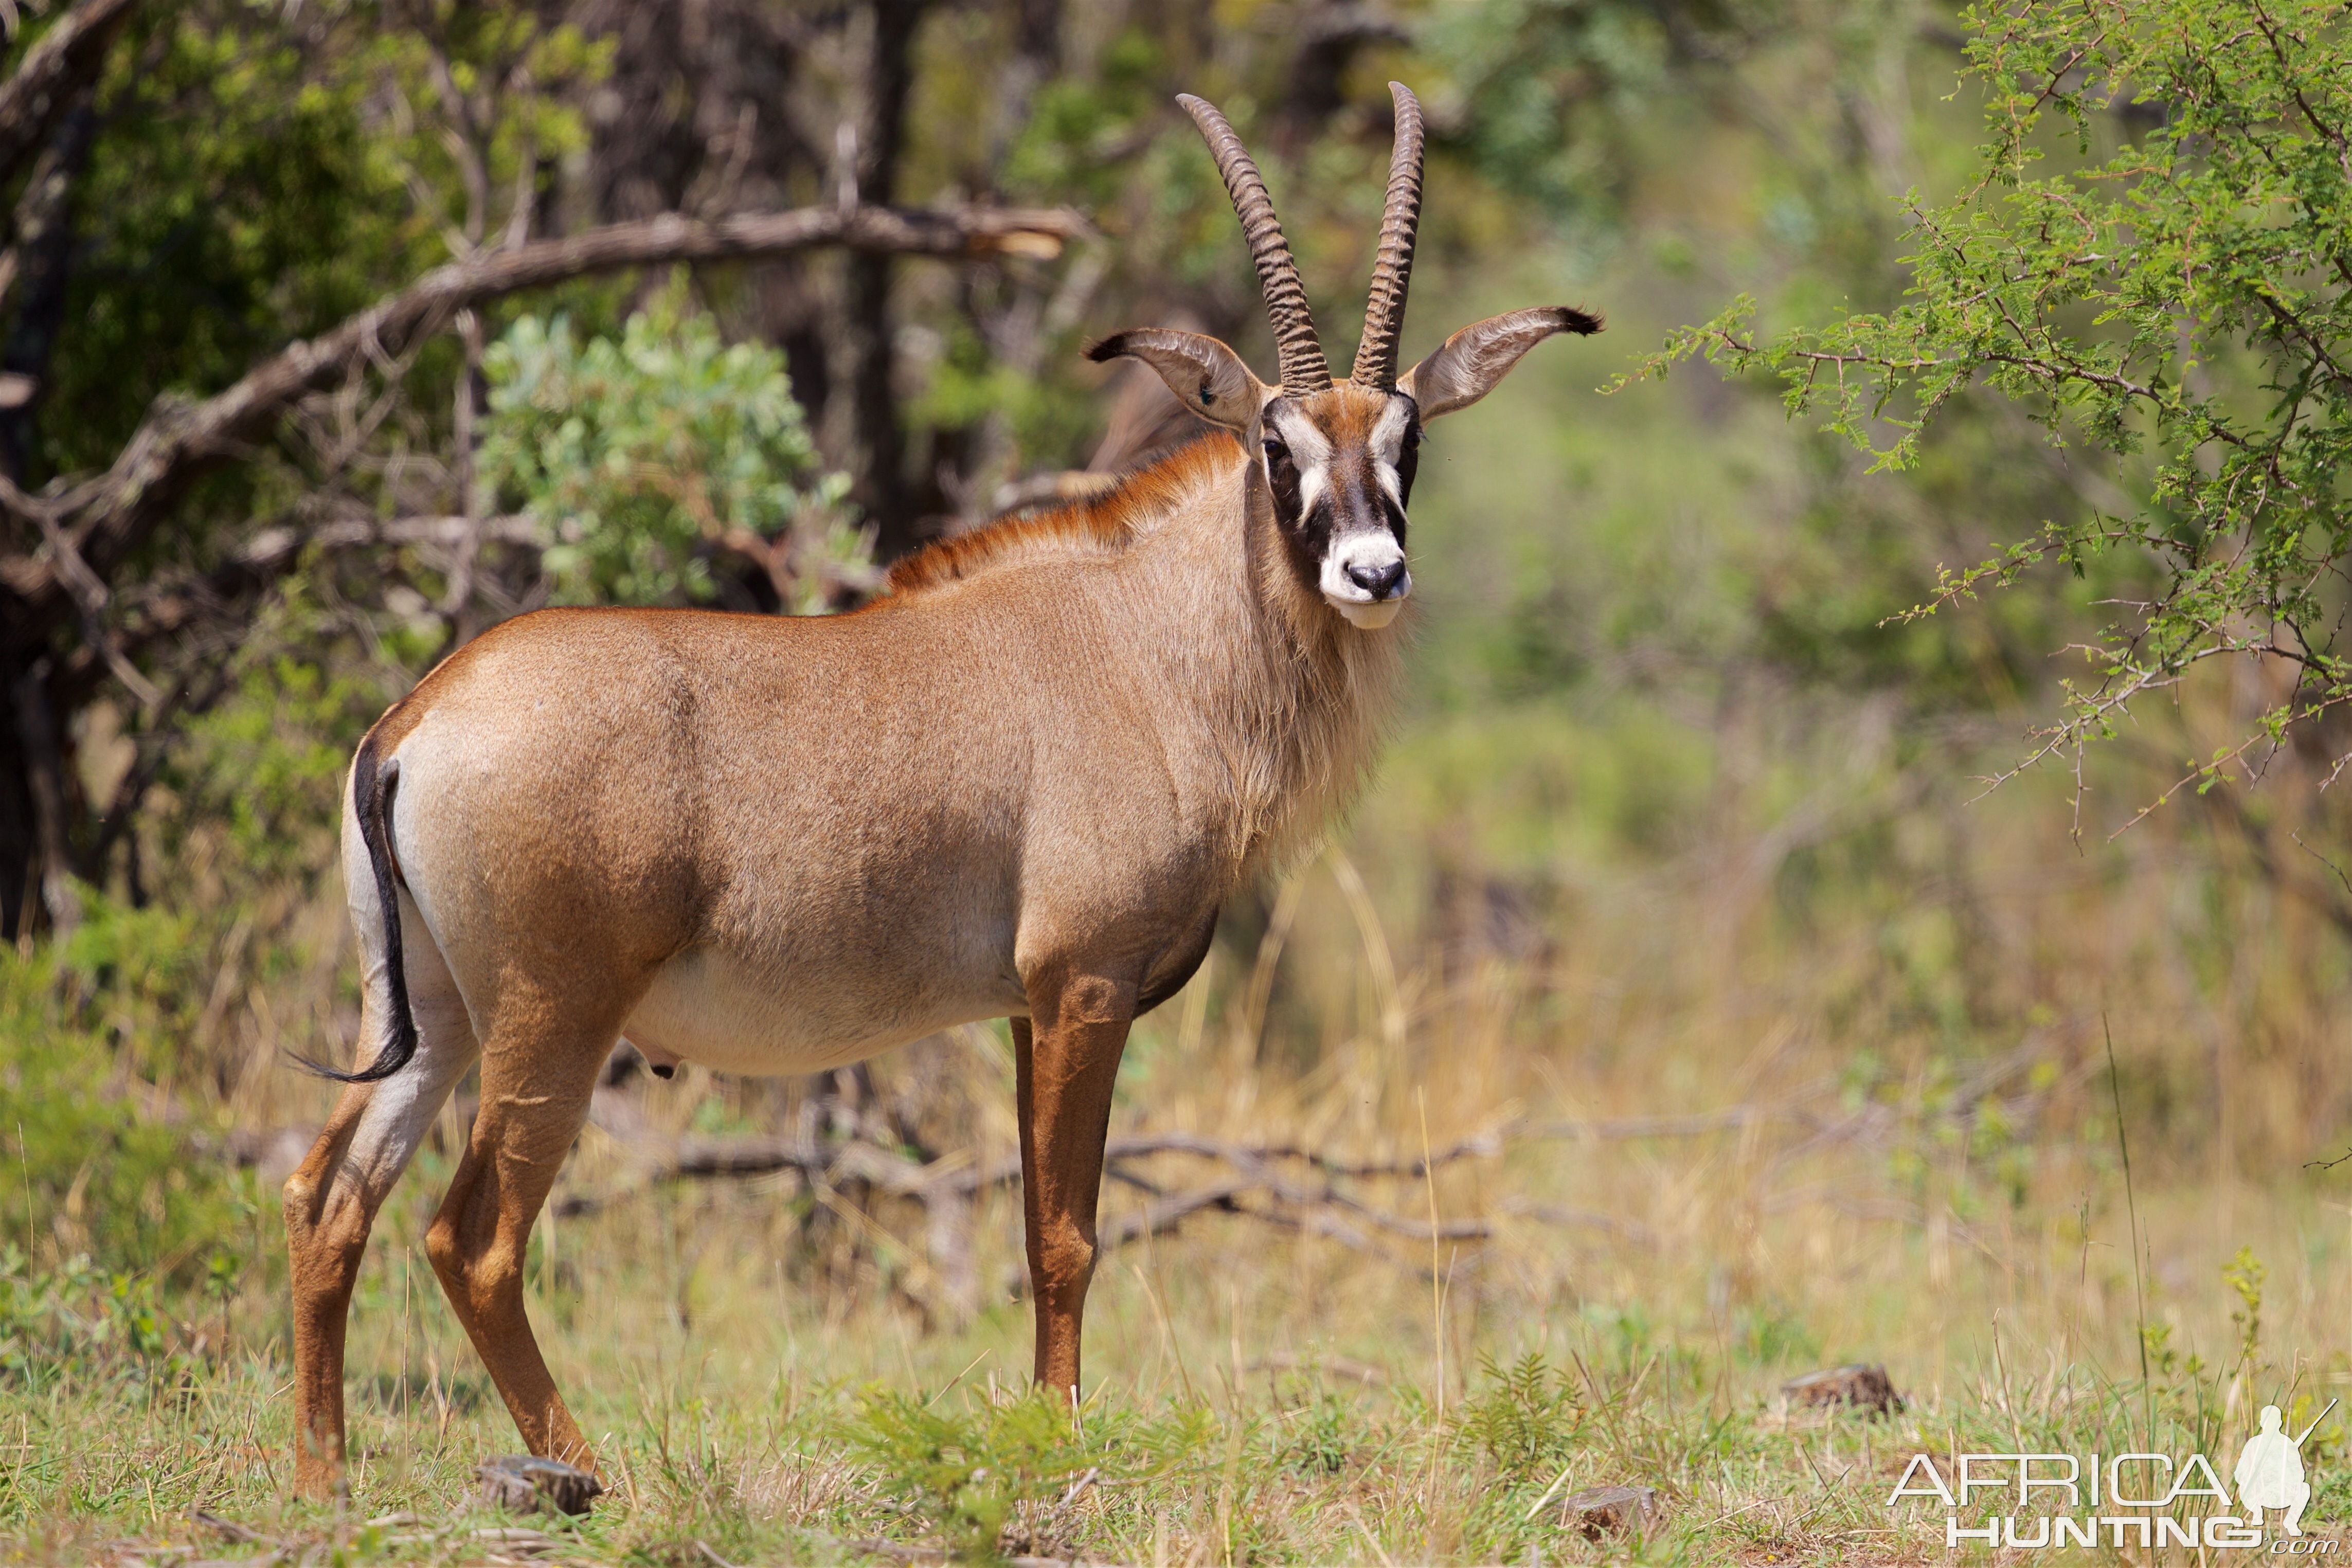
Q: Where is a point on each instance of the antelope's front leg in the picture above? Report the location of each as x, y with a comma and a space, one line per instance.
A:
1067, 1056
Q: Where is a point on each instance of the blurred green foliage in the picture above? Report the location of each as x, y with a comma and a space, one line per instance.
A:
2177, 299
1552, 89
113, 1141
78, 1319
205, 251
97, 1171
639, 456
263, 769
293, 206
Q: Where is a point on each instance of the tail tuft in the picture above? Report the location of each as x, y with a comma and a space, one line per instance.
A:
372, 788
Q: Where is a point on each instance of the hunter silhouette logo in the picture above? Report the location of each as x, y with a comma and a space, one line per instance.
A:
2269, 1472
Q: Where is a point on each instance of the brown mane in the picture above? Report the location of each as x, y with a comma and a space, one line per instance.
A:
1097, 524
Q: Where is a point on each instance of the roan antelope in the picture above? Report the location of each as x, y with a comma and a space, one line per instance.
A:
1019, 784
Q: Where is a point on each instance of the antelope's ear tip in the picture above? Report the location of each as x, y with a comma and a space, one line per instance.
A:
1109, 349
1585, 322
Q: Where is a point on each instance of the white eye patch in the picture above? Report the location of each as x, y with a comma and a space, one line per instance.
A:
1388, 447
1310, 454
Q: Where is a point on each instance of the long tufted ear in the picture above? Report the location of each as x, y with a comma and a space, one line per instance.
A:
1207, 377
1467, 365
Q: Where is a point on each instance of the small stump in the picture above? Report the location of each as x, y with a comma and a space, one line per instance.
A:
525, 1485
1611, 1510
1857, 1387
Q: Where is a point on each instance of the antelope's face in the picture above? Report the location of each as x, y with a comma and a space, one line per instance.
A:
1338, 456
1338, 467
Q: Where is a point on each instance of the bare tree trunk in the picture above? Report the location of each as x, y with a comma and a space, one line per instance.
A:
877, 444
20, 856
45, 109
44, 250
52, 75
714, 106
44, 781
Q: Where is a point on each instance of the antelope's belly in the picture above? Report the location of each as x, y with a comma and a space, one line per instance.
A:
705, 1005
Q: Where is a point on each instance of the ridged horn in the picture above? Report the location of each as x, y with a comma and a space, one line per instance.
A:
1376, 353
1303, 368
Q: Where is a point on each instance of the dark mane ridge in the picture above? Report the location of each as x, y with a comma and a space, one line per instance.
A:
1103, 524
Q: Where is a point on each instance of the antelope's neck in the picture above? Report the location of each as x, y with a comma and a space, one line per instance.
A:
1288, 703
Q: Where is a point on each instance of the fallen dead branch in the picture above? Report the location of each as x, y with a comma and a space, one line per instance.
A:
1261, 1182
230, 1530
1282, 1185
1339, 1367
748, 1154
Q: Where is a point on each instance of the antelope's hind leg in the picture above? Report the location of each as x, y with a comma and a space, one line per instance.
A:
536, 1085
333, 1196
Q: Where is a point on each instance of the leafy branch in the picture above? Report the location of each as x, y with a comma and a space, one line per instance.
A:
2182, 305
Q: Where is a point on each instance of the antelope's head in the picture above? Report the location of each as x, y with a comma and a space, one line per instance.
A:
1338, 457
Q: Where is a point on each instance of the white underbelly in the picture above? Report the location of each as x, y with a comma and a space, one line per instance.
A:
706, 1009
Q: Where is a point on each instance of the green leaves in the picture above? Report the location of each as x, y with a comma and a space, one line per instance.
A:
1524, 1417
968, 1469
2182, 305
90, 1174
480, 96
1552, 91
645, 457
974, 1467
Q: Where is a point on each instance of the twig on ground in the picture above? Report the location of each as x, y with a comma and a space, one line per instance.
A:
1353, 1371
231, 1529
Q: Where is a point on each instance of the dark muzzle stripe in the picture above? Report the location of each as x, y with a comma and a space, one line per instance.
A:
1361, 513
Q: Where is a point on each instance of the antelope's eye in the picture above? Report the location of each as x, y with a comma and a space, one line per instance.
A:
1282, 480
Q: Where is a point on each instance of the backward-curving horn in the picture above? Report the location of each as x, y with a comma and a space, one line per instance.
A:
1303, 368
1376, 352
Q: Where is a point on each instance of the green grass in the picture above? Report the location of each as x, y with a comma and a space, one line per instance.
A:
772, 1393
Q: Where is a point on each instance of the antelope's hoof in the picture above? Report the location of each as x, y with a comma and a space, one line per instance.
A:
525, 1484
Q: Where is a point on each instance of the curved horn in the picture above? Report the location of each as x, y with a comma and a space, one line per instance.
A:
1303, 368
1376, 353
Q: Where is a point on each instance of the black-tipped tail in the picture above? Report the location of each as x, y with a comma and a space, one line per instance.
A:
372, 788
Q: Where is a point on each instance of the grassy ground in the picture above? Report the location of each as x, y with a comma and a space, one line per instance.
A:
1254, 1396
771, 1377
1821, 1074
